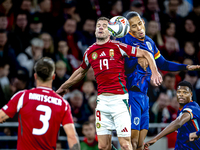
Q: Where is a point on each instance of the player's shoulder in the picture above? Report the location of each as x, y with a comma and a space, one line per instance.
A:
148, 39
191, 107
91, 48
19, 93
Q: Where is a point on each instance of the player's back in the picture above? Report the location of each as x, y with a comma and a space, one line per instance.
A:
107, 60
42, 111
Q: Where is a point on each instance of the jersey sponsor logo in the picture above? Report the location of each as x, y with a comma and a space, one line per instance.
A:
136, 121
149, 45
124, 130
45, 98
111, 53
103, 54
94, 55
5, 107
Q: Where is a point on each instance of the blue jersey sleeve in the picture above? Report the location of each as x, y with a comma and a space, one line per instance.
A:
166, 65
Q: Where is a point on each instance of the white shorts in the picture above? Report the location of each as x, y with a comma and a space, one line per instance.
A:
112, 113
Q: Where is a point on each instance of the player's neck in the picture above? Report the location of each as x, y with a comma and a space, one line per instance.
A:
44, 84
101, 42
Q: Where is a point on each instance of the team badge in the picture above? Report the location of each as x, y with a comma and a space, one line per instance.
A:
149, 46
111, 53
98, 125
136, 121
94, 55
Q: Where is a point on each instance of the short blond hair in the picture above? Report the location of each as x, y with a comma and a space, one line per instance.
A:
60, 64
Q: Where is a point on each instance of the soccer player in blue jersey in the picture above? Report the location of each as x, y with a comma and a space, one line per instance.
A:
138, 77
188, 120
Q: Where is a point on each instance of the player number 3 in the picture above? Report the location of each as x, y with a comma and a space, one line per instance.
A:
44, 119
105, 63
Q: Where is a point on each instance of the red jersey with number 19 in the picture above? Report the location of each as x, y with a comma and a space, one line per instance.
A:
41, 111
107, 60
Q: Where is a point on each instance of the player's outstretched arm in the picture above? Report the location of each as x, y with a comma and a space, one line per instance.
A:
72, 136
77, 76
156, 77
173, 126
3, 116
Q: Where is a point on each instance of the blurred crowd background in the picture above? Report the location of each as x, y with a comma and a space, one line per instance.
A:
64, 29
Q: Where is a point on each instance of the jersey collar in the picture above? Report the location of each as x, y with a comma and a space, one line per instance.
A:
142, 40
44, 88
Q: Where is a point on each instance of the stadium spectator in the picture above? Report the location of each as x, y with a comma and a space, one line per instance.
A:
40, 133
90, 141
88, 35
61, 74
190, 32
26, 5
35, 25
116, 8
194, 15
159, 112
6, 7
138, 6
48, 50
92, 104
168, 85
80, 110
71, 62
47, 18
153, 31
8, 53
58, 145
32, 53
21, 32
3, 21
4, 82
88, 89
68, 32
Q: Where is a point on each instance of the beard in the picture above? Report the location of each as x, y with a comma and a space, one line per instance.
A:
102, 38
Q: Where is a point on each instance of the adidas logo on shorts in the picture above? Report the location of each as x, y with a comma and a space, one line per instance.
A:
124, 130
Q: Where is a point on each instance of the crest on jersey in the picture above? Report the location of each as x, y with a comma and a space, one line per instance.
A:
136, 121
149, 45
111, 53
94, 55
98, 125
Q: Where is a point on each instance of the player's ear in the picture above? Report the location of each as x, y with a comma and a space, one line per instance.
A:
54, 76
191, 95
143, 21
35, 76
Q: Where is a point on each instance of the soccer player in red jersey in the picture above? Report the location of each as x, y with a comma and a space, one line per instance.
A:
41, 111
106, 57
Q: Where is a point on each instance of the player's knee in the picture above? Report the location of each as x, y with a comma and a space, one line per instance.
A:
134, 143
125, 146
103, 147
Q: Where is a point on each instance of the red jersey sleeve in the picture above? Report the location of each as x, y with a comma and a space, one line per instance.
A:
129, 50
68, 115
14, 105
85, 64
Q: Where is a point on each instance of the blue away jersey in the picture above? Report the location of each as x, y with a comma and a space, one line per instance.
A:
182, 142
136, 75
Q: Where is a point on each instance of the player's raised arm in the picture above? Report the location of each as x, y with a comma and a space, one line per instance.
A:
72, 136
77, 76
173, 126
156, 77
3, 116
